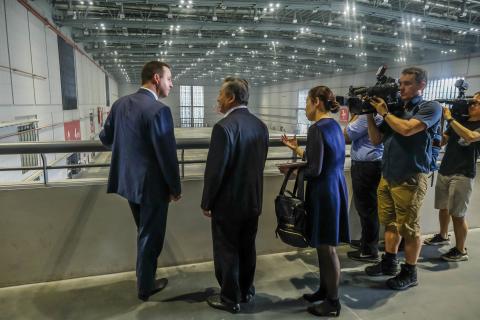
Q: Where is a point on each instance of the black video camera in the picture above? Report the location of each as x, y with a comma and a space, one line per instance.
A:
385, 88
459, 106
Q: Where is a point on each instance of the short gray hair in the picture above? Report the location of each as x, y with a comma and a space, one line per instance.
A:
237, 88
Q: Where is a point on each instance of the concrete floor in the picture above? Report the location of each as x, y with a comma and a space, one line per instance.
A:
446, 291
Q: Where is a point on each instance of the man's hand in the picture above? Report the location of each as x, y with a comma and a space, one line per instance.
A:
175, 198
447, 115
379, 105
207, 213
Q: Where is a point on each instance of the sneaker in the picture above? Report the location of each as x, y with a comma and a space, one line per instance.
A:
356, 244
437, 240
383, 268
360, 256
405, 279
455, 255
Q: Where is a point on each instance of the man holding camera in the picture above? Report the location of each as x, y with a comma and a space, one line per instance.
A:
455, 179
407, 137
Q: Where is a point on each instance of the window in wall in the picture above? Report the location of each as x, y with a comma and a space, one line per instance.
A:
185, 106
192, 106
67, 75
28, 133
441, 89
302, 121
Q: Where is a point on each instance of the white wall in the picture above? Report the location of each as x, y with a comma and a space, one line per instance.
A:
26, 44
276, 104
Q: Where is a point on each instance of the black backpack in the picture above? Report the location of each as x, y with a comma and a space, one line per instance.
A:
291, 214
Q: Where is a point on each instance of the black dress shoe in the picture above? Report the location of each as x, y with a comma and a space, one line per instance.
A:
160, 284
216, 302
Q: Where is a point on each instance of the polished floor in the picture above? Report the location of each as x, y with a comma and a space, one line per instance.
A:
446, 291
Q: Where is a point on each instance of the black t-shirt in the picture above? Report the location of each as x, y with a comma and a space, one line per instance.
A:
460, 156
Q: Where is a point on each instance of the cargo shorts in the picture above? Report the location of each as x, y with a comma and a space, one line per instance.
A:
399, 204
453, 193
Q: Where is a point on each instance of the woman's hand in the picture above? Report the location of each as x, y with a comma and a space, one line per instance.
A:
290, 142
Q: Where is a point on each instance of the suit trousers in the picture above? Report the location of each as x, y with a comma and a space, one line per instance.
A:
151, 221
234, 256
365, 178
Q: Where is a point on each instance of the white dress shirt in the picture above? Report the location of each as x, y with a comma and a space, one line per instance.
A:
234, 108
153, 92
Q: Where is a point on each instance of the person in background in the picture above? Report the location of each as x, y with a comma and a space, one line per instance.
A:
455, 179
326, 199
366, 170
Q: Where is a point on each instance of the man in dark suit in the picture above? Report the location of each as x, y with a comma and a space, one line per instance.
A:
232, 194
144, 166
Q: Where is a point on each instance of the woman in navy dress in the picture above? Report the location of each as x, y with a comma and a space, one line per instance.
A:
326, 195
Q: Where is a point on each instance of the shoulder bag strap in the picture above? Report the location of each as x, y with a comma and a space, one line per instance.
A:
299, 185
285, 181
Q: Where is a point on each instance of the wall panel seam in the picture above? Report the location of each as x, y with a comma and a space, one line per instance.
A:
8, 50
31, 56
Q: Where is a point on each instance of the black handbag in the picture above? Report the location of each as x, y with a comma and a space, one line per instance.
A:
291, 214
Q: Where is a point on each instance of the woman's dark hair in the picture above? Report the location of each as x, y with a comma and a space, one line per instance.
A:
324, 94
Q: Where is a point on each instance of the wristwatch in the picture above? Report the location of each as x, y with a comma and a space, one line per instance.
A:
450, 120
385, 114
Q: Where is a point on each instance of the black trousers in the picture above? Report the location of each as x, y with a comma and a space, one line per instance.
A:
234, 256
365, 178
151, 221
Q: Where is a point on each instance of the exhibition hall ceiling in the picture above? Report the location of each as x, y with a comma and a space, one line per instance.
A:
269, 42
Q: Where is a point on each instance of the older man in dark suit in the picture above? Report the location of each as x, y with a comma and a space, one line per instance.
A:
232, 194
144, 166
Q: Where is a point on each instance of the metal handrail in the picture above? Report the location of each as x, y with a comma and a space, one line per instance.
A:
43, 148
96, 146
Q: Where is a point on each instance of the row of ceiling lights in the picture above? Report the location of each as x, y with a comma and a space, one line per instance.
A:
306, 30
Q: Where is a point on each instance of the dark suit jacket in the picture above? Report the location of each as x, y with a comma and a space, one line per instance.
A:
233, 186
144, 166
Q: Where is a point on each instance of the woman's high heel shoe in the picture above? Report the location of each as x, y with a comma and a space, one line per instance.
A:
328, 308
318, 295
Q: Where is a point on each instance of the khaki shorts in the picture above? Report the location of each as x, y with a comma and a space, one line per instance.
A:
453, 193
399, 204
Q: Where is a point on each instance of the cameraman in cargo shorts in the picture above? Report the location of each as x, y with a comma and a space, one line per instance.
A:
455, 179
406, 161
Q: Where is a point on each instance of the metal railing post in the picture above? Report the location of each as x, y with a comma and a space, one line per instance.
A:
44, 165
183, 163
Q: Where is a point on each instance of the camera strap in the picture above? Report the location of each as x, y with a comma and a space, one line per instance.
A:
431, 135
